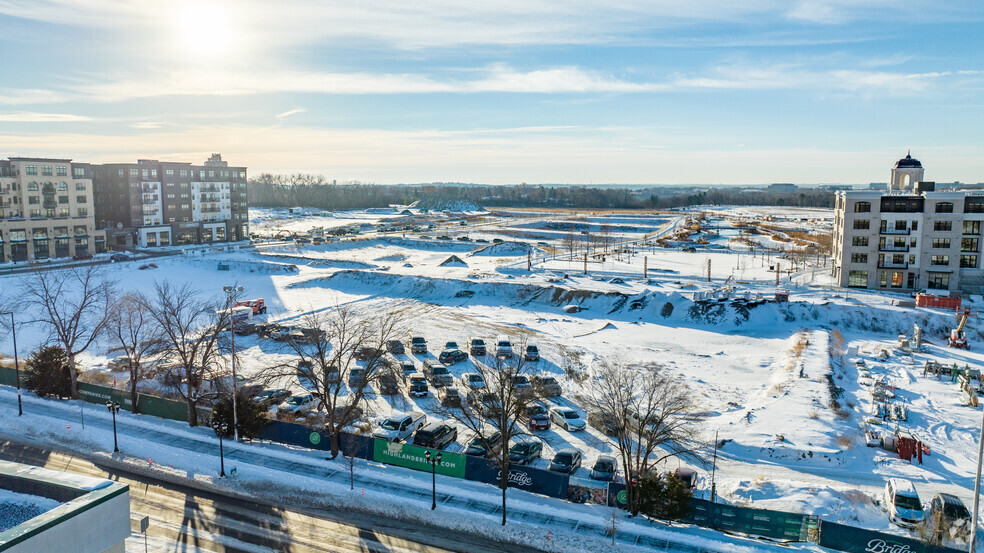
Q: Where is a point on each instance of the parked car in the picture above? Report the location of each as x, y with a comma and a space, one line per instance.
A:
566, 461
951, 512
436, 435
438, 374
418, 385
407, 368
483, 447
418, 344
546, 386
488, 405
532, 353
902, 502
357, 377
365, 353
449, 397
503, 347
395, 347
603, 423
686, 475
300, 404
535, 417
522, 385
400, 427
274, 396
389, 384
476, 346
525, 451
604, 468
117, 257
473, 381
450, 345
452, 356
567, 418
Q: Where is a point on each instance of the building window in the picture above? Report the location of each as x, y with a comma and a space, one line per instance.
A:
83, 212
912, 259
169, 172
63, 212
46, 170
857, 279
32, 186
969, 244
153, 172
971, 227
859, 241
862, 224
941, 242
80, 199
170, 196
185, 206
974, 204
968, 261
183, 173
915, 225
35, 213
211, 174
944, 207
859, 258
900, 225
882, 279
34, 199
134, 172
62, 186
939, 260
78, 172
943, 226
938, 281
30, 169
63, 199
61, 171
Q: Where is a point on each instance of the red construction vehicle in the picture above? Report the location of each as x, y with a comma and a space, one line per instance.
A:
258, 306
958, 338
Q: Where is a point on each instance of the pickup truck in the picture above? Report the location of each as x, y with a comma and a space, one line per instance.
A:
437, 374
418, 385
418, 344
400, 427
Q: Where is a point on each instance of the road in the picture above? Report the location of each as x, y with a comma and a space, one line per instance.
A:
190, 519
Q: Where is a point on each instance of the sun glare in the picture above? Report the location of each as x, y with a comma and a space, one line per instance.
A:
205, 30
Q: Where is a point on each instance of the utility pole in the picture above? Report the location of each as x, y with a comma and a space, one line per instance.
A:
708, 270
645, 266
777, 273
714, 467
977, 490
585, 263
529, 261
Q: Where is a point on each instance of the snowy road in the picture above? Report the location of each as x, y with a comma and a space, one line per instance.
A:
188, 520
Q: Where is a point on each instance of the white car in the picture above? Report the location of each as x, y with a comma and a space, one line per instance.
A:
503, 347
567, 418
473, 381
300, 404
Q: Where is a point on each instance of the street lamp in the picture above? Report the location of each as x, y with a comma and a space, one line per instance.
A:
20, 408
231, 291
433, 461
220, 427
114, 407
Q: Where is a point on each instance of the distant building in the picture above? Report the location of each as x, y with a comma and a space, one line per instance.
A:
878, 186
46, 209
781, 187
835, 187
910, 238
161, 203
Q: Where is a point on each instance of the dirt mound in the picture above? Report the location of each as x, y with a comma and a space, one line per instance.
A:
453, 261
505, 249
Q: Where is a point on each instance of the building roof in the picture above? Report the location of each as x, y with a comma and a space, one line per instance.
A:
908, 163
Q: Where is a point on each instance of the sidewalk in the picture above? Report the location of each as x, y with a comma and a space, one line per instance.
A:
173, 446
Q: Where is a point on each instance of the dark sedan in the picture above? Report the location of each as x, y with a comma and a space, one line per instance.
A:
452, 356
480, 447
566, 461
276, 396
525, 452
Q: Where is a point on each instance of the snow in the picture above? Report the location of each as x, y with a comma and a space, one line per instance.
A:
763, 374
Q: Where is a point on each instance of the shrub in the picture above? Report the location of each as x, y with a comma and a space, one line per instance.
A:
251, 415
663, 496
48, 373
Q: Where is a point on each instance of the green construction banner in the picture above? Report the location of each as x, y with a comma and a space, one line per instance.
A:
413, 457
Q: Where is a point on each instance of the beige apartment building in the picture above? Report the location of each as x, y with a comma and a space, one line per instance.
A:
46, 210
911, 237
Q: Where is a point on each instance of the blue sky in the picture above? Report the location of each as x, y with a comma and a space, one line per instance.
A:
717, 91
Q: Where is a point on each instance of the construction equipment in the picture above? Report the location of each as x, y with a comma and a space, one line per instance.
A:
259, 307
958, 338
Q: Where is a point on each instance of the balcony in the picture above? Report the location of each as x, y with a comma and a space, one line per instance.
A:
891, 265
905, 232
149, 198
892, 248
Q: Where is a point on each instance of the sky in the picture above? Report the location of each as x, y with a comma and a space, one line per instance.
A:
580, 91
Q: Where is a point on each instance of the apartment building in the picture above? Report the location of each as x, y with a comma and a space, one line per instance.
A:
46, 210
155, 203
912, 237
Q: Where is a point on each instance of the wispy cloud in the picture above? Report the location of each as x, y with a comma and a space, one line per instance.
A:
288, 113
34, 117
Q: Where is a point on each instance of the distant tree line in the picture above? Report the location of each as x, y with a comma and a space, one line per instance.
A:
300, 190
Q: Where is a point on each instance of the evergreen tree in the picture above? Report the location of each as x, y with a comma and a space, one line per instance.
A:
48, 373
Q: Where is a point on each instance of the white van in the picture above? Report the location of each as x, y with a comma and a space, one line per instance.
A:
503, 347
903, 504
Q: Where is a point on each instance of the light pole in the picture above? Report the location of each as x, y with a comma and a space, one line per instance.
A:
220, 428
230, 292
114, 407
13, 330
434, 460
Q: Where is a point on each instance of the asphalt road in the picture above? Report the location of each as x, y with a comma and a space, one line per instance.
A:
191, 519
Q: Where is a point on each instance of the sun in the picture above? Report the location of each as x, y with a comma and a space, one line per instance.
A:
205, 30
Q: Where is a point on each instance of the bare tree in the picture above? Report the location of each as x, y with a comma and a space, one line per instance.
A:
133, 329
606, 238
338, 342
649, 412
190, 327
497, 408
73, 304
570, 240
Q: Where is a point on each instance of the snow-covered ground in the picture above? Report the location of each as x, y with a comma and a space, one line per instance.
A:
764, 374
17, 508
